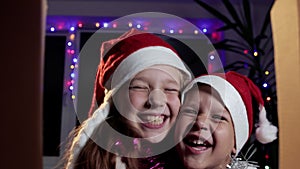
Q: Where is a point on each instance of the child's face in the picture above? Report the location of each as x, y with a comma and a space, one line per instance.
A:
154, 101
206, 131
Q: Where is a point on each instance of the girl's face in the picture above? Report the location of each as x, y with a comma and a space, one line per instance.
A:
205, 130
153, 102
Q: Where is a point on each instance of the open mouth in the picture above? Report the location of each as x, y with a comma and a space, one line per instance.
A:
196, 144
153, 121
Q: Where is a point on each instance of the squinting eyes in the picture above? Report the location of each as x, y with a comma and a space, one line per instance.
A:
216, 117
147, 89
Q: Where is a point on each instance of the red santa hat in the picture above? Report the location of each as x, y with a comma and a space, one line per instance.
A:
237, 91
121, 59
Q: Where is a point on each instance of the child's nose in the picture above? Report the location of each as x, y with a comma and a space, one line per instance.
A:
201, 123
156, 98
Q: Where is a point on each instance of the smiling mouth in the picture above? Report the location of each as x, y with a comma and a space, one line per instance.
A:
153, 121
196, 144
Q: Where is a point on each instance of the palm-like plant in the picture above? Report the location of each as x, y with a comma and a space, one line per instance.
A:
251, 46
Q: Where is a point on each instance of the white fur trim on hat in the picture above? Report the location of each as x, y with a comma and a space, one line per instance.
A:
145, 58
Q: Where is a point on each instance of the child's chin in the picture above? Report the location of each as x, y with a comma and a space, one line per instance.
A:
155, 137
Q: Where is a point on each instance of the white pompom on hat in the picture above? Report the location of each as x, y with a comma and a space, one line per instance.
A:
237, 91
121, 59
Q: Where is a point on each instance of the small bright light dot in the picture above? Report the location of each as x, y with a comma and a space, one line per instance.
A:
52, 29
171, 31
97, 24
72, 75
268, 98
69, 43
267, 167
265, 85
211, 57
73, 97
163, 31
138, 26
246, 51
180, 31
72, 36
75, 60
130, 24
71, 87
80, 25
267, 72
196, 32
72, 28
105, 25
72, 51
255, 53
114, 25
204, 30
72, 67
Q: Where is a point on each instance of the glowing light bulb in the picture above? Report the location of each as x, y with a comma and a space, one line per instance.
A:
138, 26
72, 36
130, 24
163, 31
97, 24
180, 31
267, 167
265, 85
267, 72
73, 97
211, 57
69, 43
52, 29
255, 53
114, 25
72, 28
204, 30
80, 25
72, 75
171, 31
71, 87
105, 25
196, 32
72, 67
75, 60
268, 98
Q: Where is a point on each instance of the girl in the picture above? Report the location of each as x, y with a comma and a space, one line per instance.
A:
215, 121
137, 89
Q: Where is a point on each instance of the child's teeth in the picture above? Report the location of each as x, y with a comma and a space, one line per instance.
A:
155, 120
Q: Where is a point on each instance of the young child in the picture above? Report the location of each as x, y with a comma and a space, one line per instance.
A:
137, 88
216, 120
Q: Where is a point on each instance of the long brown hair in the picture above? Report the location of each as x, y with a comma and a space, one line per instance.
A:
93, 156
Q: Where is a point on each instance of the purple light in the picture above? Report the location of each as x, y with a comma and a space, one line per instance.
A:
72, 75
52, 29
72, 28
71, 87
105, 25
138, 26
265, 85
75, 60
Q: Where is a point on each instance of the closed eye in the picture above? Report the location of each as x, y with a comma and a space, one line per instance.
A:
139, 88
